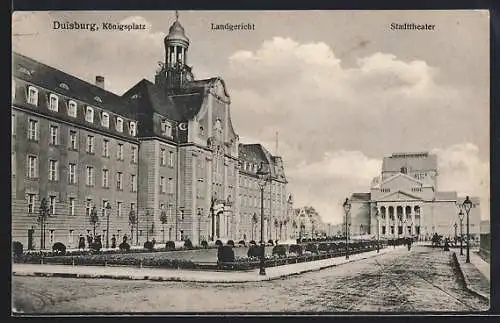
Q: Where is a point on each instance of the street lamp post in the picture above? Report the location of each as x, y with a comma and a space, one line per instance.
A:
263, 177
147, 225
347, 209
461, 217
467, 206
107, 209
377, 216
199, 227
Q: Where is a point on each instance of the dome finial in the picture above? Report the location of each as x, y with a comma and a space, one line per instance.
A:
176, 15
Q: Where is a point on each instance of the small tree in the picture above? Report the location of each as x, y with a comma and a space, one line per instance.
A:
255, 219
94, 218
163, 220
132, 221
43, 214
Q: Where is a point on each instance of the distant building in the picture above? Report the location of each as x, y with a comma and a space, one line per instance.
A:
164, 155
409, 203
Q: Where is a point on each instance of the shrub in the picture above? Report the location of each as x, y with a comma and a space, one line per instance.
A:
59, 247
230, 243
17, 249
279, 250
170, 245
204, 244
324, 247
148, 245
242, 243
271, 242
124, 246
225, 254
252, 242
296, 249
218, 243
254, 251
188, 244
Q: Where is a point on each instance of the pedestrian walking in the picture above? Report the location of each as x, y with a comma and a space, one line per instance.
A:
113, 242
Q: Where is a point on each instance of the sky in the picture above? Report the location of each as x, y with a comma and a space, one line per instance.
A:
341, 89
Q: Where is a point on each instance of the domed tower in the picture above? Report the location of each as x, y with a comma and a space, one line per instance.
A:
175, 72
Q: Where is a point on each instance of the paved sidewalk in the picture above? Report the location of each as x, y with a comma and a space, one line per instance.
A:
186, 275
476, 274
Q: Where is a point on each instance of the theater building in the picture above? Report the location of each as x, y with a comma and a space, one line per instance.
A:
164, 155
407, 198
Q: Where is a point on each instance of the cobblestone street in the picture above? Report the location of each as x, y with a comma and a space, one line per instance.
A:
423, 279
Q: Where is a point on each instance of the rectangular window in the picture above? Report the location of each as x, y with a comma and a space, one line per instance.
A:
170, 159
162, 157
166, 128
88, 207
32, 166
53, 170
119, 152
105, 178
72, 108
32, 95
54, 130
119, 124
170, 186
134, 154
31, 203
52, 237
90, 176
90, 144
132, 128
89, 115
132, 206
33, 130
162, 184
105, 148
72, 173
53, 102
73, 140
13, 124
119, 207
52, 205
119, 181
133, 181
71, 206
105, 119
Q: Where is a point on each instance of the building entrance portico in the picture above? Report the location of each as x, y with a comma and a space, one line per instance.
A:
399, 219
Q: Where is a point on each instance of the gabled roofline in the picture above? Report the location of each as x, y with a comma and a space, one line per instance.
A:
398, 175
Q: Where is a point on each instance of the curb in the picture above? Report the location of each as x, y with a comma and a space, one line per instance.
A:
468, 285
179, 279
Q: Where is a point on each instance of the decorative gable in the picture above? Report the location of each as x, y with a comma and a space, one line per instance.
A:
399, 196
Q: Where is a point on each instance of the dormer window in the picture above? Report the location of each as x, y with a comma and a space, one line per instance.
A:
119, 124
166, 128
105, 119
404, 170
89, 115
24, 70
64, 86
53, 102
132, 128
98, 99
32, 95
72, 108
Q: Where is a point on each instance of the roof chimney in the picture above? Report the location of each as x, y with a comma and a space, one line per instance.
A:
99, 81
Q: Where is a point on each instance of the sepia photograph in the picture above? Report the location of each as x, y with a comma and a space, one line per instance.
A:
320, 161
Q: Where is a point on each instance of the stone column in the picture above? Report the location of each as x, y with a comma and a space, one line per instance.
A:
413, 231
404, 225
175, 55
387, 225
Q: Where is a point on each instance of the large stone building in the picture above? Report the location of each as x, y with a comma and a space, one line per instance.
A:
409, 203
164, 155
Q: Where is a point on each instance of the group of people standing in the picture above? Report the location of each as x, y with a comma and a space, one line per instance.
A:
94, 242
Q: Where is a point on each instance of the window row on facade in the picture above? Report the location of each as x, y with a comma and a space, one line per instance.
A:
90, 174
75, 207
72, 110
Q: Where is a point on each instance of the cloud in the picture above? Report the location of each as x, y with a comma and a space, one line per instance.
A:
337, 123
